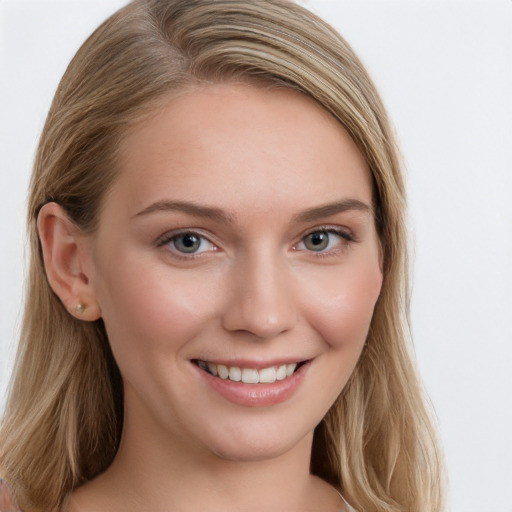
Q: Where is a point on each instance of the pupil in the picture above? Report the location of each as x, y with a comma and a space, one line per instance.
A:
187, 243
317, 238
317, 241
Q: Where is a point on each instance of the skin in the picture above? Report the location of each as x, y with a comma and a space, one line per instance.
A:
266, 160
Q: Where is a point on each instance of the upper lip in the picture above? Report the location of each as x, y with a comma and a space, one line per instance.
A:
256, 364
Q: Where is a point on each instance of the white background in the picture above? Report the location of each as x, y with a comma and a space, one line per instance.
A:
444, 70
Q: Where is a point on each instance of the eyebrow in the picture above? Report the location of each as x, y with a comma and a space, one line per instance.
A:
197, 210
329, 209
219, 215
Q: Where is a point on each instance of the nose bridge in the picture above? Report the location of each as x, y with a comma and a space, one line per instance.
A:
262, 301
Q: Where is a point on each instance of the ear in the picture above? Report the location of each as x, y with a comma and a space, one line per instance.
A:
66, 255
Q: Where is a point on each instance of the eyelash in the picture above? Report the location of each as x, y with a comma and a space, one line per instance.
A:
169, 239
346, 239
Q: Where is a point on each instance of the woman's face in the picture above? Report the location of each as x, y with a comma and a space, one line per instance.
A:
237, 245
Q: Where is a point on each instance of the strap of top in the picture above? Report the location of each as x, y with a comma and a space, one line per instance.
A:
348, 508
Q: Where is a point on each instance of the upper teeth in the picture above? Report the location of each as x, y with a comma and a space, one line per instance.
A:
249, 375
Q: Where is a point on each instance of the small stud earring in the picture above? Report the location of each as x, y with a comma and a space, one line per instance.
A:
80, 308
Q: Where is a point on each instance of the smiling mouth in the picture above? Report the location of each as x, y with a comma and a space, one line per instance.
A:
250, 375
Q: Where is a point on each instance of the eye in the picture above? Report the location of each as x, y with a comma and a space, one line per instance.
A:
317, 241
324, 240
187, 242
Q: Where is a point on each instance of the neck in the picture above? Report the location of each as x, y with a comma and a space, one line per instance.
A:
160, 472
156, 477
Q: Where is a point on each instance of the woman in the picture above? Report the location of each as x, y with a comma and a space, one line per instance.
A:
216, 314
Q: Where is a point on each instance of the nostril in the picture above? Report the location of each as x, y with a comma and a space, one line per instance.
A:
261, 320
260, 300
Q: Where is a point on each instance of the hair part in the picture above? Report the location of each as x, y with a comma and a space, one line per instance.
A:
63, 422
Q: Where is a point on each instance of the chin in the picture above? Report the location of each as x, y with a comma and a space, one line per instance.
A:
263, 445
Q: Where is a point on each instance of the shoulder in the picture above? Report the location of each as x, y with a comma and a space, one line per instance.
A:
7, 499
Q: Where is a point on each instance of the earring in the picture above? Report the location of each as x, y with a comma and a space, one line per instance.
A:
80, 308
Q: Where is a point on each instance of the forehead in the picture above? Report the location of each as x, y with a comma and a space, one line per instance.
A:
250, 144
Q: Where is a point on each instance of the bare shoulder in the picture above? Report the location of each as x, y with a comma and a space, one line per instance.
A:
77, 501
7, 499
329, 497
89, 497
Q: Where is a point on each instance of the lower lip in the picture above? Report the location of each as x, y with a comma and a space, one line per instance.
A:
256, 395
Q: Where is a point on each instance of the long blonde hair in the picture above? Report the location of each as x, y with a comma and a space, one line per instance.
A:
63, 421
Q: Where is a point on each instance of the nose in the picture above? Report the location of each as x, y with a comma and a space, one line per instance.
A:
262, 299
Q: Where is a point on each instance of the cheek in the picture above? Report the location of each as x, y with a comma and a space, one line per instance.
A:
341, 306
150, 310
